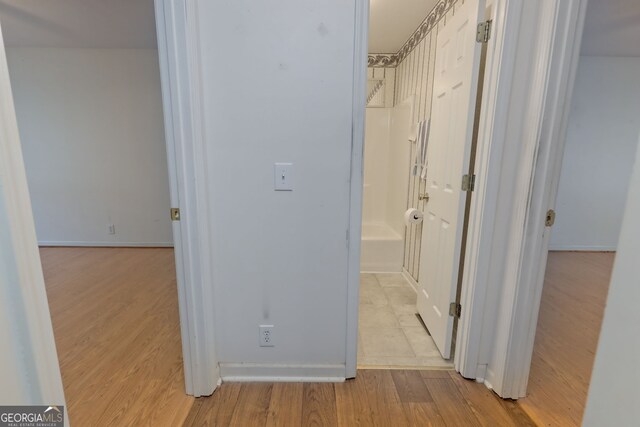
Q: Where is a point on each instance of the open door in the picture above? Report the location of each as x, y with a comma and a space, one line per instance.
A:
454, 97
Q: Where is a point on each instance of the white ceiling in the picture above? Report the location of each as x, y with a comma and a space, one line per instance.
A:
391, 22
612, 28
78, 23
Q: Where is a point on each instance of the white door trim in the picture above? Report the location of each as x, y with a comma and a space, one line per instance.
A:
521, 139
178, 51
357, 173
500, 61
560, 31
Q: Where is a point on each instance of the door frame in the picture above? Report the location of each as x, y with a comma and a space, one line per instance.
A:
557, 32
361, 50
29, 348
178, 53
515, 184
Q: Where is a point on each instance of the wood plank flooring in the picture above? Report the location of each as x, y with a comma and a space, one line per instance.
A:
377, 397
571, 311
115, 320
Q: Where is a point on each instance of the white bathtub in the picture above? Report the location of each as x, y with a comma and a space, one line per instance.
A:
382, 248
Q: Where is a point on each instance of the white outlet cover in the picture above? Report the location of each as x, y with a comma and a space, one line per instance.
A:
265, 338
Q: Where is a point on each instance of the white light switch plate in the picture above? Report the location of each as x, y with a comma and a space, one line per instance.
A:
283, 176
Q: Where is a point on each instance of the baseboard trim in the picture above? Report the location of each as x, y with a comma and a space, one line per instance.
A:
47, 243
377, 271
245, 372
374, 267
410, 280
579, 248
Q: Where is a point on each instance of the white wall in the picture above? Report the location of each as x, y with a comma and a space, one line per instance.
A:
386, 165
601, 139
385, 95
278, 84
613, 393
92, 133
414, 84
398, 164
376, 168
28, 357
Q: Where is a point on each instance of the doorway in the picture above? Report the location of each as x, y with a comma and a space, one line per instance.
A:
90, 114
414, 194
391, 332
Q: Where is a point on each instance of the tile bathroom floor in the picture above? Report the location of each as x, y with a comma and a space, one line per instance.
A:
390, 334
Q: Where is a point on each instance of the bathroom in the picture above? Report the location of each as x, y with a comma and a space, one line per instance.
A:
399, 102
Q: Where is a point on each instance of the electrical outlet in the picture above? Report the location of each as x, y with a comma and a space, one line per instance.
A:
266, 336
111, 228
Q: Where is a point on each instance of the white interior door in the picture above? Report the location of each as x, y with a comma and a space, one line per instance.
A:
455, 86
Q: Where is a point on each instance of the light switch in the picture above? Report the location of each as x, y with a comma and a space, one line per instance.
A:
283, 176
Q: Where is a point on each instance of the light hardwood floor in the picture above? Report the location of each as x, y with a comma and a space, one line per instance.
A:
390, 398
115, 319
571, 311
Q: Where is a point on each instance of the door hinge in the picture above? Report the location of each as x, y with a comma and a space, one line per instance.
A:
550, 219
483, 33
455, 310
468, 182
175, 214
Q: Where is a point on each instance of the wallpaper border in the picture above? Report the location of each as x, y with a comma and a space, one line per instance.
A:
391, 60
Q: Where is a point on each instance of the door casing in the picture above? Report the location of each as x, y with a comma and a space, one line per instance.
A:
178, 52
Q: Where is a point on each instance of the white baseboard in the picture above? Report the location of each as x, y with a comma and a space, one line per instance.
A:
380, 267
245, 372
410, 280
380, 272
46, 243
405, 275
579, 248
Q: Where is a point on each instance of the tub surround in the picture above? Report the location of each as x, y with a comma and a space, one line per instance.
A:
386, 172
382, 249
